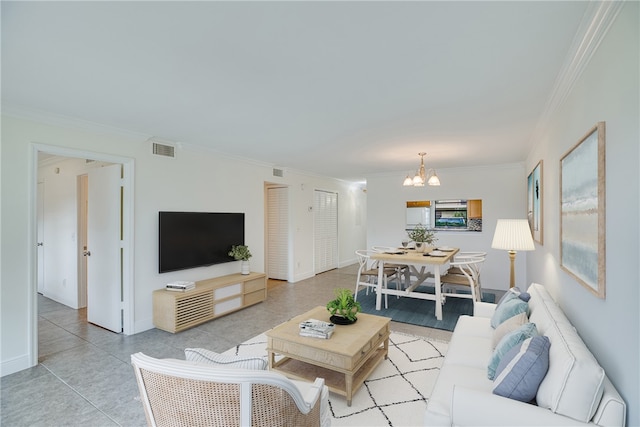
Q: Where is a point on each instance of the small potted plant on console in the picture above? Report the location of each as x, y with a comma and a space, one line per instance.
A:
241, 253
344, 308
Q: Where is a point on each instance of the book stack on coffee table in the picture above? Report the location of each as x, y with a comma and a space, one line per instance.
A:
316, 328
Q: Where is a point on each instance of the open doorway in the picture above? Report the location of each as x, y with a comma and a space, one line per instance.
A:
62, 277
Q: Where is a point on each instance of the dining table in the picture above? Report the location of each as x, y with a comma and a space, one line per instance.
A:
420, 266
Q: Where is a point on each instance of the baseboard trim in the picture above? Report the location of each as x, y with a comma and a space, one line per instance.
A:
143, 325
14, 365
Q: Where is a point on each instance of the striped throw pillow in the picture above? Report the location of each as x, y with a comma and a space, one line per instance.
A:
202, 355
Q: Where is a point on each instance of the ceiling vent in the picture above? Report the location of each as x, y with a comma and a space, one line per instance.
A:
162, 149
278, 172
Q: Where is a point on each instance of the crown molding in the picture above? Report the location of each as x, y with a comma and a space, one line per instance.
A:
594, 26
67, 122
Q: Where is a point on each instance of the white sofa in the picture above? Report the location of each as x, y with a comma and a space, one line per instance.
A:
574, 391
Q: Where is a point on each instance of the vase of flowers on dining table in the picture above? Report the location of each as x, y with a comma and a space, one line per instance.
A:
422, 237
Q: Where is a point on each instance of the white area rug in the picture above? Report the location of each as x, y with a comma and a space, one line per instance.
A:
396, 392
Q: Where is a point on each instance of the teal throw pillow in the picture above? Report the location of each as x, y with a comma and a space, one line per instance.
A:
522, 369
512, 293
508, 309
512, 339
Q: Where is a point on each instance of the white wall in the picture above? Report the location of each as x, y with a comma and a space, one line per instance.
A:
195, 180
60, 235
502, 189
608, 90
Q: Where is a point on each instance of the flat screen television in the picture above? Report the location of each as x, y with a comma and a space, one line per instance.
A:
196, 239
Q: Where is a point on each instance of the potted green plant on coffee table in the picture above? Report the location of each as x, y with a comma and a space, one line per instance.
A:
344, 308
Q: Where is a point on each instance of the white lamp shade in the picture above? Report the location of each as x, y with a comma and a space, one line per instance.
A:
434, 180
513, 235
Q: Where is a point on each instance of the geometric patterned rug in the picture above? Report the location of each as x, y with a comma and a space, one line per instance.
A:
396, 392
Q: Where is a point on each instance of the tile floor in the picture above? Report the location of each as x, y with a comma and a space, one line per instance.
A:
84, 376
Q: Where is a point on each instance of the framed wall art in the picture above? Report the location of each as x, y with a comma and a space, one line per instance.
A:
582, 211
534, 202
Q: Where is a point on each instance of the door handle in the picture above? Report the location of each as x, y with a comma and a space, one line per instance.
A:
86, 253
40, 244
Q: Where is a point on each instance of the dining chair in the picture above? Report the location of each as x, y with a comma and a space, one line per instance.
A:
399, 268
466, 255
368, 274
462, 272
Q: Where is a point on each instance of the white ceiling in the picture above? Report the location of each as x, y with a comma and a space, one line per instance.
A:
341, 89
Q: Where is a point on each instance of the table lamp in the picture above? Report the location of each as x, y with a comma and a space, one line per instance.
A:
513, 235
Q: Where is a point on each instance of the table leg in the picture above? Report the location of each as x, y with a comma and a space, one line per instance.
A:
272, 359
386, 348
348, 380
379, 285
436, 274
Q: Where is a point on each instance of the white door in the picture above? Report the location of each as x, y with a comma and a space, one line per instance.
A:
278, 233
40, 236
104, 213
325, 207
83, 181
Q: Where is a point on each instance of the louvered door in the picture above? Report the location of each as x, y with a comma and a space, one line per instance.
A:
278, 233
325, 231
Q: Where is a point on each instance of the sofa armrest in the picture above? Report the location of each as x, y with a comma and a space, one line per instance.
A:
479, 408
483, 309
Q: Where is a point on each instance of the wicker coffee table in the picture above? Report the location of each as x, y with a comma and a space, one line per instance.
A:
344, 361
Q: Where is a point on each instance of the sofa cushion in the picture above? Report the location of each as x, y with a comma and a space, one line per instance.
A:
202, 355
507, 326
507, 342
472, 326
522, 369
575, 381
508, 309
450, 377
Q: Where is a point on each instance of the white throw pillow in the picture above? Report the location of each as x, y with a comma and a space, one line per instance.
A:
509, 325
202, 355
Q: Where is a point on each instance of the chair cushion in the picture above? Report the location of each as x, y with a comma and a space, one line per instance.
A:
202, 355
522, 369
507, 342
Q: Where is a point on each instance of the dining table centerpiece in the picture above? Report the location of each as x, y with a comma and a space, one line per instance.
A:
423, 237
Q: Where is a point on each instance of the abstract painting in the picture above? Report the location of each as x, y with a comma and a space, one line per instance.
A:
582, 211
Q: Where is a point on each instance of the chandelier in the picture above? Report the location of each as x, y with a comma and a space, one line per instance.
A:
420, 177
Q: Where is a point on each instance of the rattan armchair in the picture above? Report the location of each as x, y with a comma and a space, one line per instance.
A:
183, 393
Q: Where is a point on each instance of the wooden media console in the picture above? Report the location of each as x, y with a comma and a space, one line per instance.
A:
175, 311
